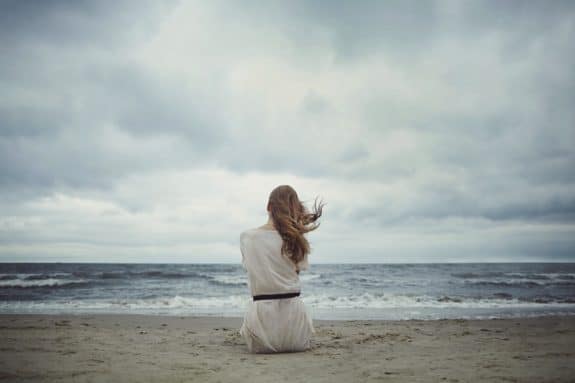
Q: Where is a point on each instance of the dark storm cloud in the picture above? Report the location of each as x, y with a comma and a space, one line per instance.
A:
445, 202
528, 145
69, 95
80, 24
404, 29
72, 146
356, 28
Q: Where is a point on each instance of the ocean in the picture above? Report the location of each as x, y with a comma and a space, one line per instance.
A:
330, 291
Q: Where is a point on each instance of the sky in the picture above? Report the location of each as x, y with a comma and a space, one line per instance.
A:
154, 131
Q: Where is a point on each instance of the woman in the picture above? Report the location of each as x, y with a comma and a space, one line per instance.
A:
273, 255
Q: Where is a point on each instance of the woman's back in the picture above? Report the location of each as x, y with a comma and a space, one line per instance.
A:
269, 272
273, 325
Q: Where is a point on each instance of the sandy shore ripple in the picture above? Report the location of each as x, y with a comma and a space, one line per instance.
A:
144, 348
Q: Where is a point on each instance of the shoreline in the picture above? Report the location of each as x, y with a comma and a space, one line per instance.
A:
240, 317
141, 347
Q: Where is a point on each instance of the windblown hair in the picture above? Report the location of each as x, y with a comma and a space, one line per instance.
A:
292, 220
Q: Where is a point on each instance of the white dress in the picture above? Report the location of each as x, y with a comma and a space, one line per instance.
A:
274, 325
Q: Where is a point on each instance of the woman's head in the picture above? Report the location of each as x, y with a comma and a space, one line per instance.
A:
292, 220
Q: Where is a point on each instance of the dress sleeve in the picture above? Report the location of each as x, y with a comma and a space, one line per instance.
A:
242, 242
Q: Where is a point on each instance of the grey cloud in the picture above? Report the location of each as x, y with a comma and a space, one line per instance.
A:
79, 115
405, 30
60, 105
442, 201
314, 104
77, 24
352, 29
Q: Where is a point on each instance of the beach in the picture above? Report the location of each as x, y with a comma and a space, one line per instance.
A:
154, 348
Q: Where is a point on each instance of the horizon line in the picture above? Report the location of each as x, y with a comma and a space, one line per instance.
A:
315, 263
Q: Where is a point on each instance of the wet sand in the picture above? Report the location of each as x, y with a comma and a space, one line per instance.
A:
144, 348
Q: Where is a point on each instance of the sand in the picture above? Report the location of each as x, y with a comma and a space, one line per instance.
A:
142, 348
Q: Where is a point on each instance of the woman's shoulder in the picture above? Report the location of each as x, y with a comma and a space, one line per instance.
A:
248, 232
258, 233
258, 230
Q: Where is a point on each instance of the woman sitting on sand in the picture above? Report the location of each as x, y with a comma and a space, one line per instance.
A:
273, 255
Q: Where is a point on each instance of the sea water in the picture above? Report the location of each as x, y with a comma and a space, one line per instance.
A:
330, 291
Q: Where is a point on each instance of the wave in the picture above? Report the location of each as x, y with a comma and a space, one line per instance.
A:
33, 277
58, 279
147, 305
548, 299
165, 274
516, 275
153, 274
125, 274
359, 306
229, 280
43, 283
374, 301
309, 277
469, 275
519, 283
365, 300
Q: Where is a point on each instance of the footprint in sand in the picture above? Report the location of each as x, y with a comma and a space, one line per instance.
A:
384, 337
62, 323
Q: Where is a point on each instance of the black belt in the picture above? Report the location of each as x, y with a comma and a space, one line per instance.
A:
275, 296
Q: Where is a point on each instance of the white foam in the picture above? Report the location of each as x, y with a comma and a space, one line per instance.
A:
239, 303
519, 282
308, 277
233, 280
50, 282
176, 302
370, 301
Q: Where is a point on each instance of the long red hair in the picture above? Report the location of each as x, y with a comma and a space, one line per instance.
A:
292, 220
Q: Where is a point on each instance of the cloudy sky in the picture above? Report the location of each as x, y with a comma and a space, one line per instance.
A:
149, 131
